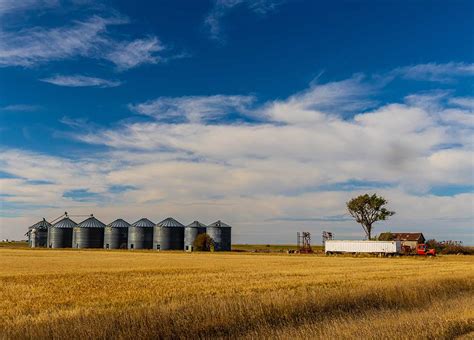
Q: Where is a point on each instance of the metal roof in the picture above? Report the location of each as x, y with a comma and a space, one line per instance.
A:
408, 236
143, 223
66, 222
91, 222
219, 224
169, 222
119, 223
196, 224
41, 225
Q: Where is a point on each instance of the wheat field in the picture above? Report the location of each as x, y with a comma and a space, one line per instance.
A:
85, 294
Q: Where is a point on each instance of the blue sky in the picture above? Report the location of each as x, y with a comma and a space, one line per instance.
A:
267, 114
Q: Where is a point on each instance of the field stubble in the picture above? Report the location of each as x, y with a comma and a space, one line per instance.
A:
120, 294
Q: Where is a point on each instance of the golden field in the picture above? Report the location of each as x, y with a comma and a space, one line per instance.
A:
76, 294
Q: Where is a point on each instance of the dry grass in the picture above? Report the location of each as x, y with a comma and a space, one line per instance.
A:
121, 294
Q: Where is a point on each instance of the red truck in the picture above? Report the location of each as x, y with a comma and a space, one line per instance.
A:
422, 249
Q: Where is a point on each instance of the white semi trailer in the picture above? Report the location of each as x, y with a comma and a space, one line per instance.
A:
370, 247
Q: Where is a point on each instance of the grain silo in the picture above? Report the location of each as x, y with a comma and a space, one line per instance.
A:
88, 234
116, 234
191, 231
221, 234
38, 234
140, 234
60, 233
169, 235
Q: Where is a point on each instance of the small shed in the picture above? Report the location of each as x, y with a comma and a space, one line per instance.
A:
408, 239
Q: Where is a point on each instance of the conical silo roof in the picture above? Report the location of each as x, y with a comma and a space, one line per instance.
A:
91, 222
119, 223
196, 224
169, 223
143, 223
66, 222
41, 225
219, 224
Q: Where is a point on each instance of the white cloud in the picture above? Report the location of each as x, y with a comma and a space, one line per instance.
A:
20, 108
193, 108
464, 102
312, 105
444, 73
33, 46
222, 7
126, 55
37, 45
80, 81
12, 6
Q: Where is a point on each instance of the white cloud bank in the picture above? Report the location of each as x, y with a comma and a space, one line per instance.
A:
294, 169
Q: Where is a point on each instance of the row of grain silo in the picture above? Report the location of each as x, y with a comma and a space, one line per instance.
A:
169, 234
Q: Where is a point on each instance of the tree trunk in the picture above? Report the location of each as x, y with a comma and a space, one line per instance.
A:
369, 231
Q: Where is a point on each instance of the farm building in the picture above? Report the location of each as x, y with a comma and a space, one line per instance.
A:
38, 234
191, 231
116, 234
140, 234
60, 233
168, 235
88, 234
220, 233
407, 239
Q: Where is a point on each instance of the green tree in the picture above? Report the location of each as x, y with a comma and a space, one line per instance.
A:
203, 242
367, 210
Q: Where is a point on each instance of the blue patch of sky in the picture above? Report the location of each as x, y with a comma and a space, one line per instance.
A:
82, 195
116, 189
451, 190
39, 182
355, 184
349, 185
4, 174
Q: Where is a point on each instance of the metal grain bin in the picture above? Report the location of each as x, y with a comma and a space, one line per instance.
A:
88, 234
116, 234
60, 233
221, 234
169, 235
140, 234
191, 231
38, 234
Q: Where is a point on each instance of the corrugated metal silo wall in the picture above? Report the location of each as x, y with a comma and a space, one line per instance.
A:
190, 235
140, 238
115, 238
38, 238
172, 238
88, 237
222, 238
59, 237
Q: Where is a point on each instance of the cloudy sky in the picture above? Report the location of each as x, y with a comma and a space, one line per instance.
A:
269, 115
